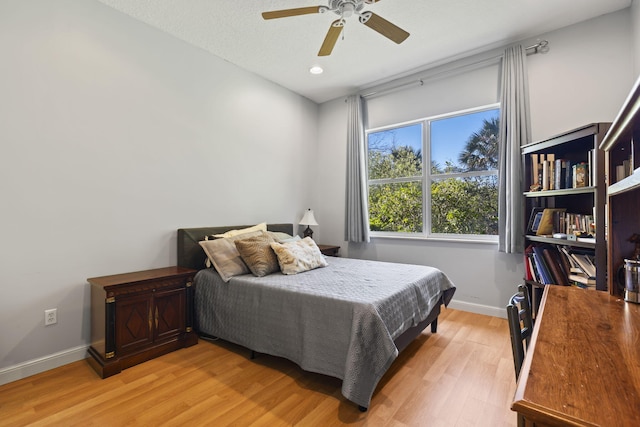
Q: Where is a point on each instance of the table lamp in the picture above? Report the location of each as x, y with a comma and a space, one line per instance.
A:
308, 219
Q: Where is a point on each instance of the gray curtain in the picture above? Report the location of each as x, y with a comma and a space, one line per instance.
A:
515, 131
357, 215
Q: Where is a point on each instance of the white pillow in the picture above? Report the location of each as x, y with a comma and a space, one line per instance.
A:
231, 233
298, 256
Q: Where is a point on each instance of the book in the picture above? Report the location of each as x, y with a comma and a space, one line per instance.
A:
528, 252
586, 239
574, 267
580, 175
585, 263
588, 281
564, 260
528, 268
620, 173
534, 170
543, 271
560, 174
548, 220
568, 179
534, 270
551, 159
555, 267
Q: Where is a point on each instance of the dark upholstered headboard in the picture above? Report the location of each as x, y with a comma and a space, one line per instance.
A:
190, 253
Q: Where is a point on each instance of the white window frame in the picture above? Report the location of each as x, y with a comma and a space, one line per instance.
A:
427, 178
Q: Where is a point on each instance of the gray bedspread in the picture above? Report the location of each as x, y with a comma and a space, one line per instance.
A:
339, 320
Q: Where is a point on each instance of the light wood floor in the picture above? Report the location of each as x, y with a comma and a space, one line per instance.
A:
461, 376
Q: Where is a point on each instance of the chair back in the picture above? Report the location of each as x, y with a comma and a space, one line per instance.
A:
520, 325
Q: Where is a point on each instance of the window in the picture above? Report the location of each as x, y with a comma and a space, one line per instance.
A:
456, 196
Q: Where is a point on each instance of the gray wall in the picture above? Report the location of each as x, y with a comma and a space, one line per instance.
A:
584, 78
635, 19
113, 135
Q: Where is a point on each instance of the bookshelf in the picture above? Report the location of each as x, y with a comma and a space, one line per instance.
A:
623, 186
566, 174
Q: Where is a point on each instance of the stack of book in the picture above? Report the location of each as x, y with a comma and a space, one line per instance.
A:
560, 265
549, 173
582, 270
549, 221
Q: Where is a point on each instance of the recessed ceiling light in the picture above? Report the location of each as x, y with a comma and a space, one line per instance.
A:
316, 69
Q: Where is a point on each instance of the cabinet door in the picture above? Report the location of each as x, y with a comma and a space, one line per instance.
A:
169, 314
133, 323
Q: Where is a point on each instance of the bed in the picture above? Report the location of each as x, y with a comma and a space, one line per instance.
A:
348, 320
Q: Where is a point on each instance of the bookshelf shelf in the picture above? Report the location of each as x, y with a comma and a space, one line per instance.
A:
562, 242
550, 166
630, 183
562, 192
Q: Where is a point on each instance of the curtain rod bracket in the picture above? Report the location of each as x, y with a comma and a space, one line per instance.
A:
541, 47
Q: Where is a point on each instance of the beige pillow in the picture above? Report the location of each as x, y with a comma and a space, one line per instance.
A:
225, 257
257, 254
296, 257
232, 233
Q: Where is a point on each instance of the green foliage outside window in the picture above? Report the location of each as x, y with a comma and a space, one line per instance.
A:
465, 206
396, 207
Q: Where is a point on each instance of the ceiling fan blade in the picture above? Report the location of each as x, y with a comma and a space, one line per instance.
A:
291, 12
384, 27
331, 38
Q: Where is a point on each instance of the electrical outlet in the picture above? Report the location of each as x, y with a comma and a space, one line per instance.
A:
50, 317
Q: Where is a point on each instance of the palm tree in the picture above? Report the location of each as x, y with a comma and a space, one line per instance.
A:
481, 151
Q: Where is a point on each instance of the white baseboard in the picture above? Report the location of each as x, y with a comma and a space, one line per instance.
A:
32, 367
479, 309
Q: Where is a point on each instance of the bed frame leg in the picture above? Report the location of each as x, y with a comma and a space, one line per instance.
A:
434, 326
253, 355
362, 408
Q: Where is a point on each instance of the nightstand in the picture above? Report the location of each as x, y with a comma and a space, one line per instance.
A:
329, 250
138, 316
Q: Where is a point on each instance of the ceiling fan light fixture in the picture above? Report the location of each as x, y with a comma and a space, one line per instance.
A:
316, 69
347, 9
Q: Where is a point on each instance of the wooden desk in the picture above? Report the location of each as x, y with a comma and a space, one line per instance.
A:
583, 366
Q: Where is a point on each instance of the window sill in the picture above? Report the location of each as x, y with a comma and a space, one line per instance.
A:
491, 240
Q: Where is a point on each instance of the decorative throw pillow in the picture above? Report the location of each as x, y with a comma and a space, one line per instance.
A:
296, 257
225, 257
231, 233
257, 254
281, 237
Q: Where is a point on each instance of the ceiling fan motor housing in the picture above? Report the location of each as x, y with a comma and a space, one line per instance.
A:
346, 8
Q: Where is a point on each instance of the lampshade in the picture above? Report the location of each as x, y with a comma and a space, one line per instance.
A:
308, 218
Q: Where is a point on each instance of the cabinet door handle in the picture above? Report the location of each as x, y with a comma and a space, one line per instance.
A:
156, 317
150, 321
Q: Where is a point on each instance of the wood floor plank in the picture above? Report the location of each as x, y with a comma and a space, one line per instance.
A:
461, 376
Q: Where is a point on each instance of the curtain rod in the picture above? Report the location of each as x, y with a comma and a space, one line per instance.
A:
541, 47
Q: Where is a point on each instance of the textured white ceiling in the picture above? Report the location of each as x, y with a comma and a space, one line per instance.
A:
283, 50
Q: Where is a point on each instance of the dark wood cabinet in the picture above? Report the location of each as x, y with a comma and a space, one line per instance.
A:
138, 316
622, 149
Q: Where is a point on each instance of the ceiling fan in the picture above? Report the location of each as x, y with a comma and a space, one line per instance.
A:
344, 9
